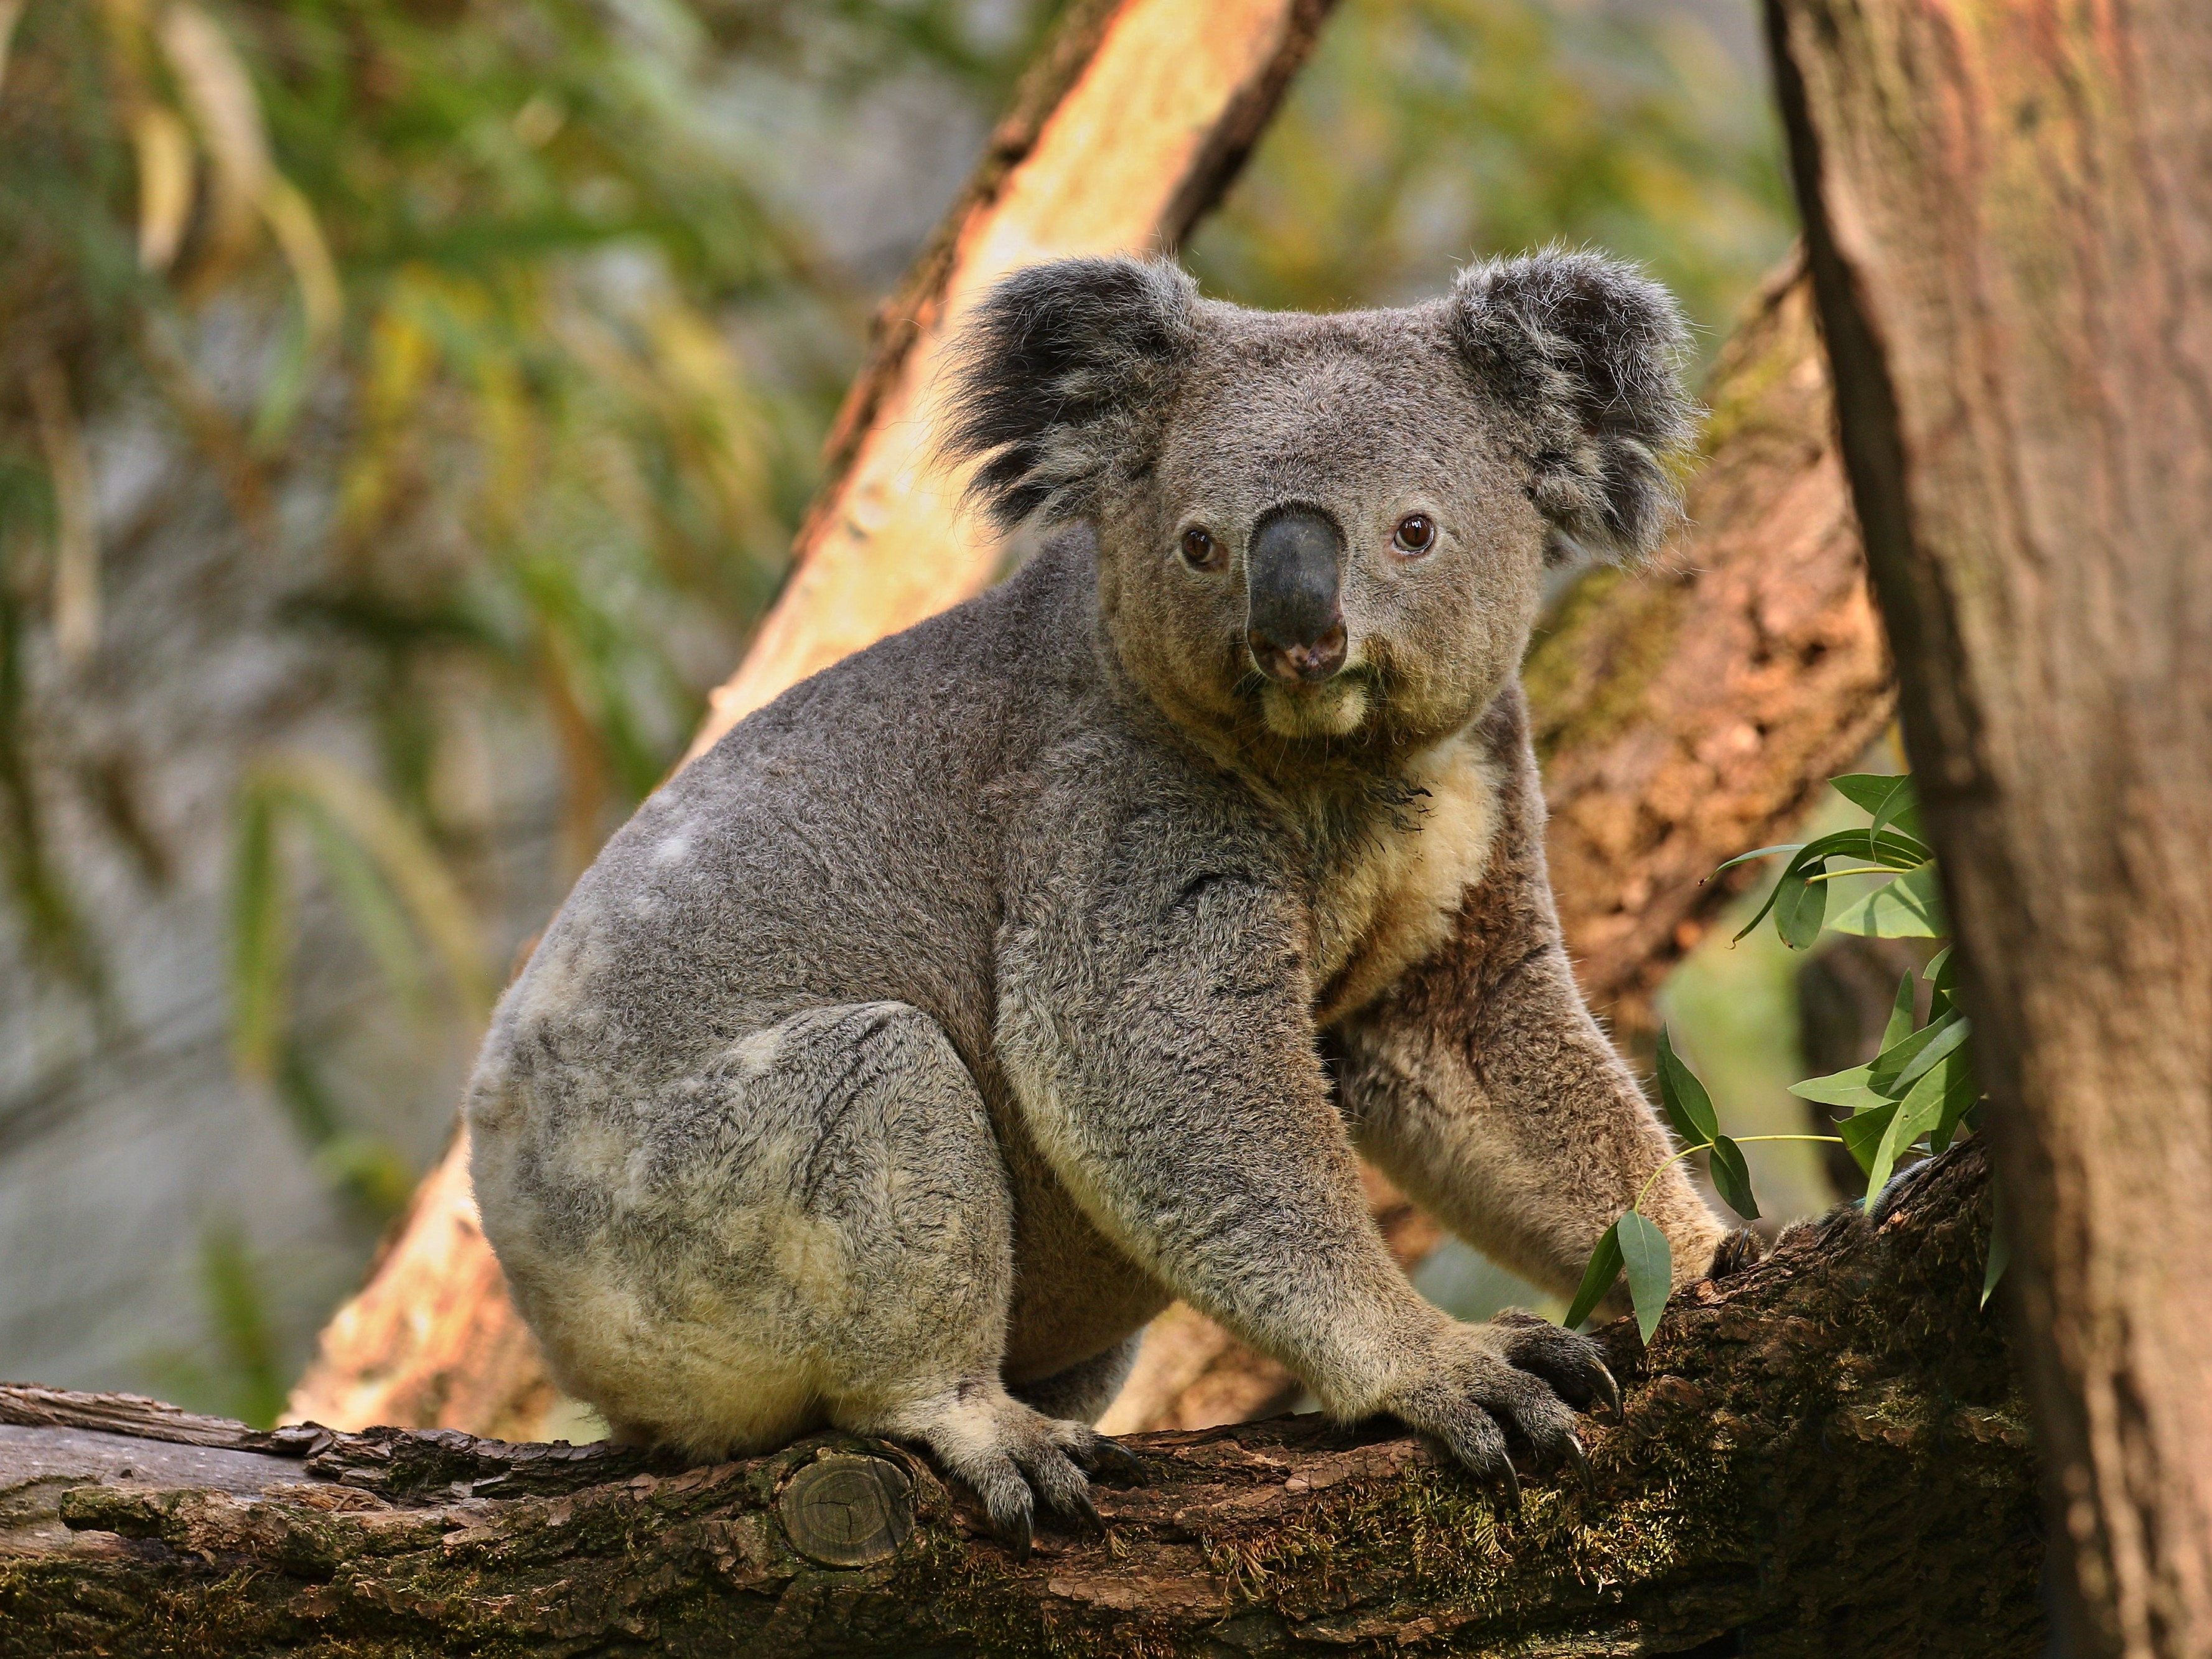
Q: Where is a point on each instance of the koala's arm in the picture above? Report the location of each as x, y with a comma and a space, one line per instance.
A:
1481, 1084
1153, 1020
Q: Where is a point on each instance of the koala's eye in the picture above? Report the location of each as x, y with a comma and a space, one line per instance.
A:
1200, 551
1417, 534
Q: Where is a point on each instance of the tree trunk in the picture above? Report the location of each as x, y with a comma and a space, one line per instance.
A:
2009, 211
1826, 1454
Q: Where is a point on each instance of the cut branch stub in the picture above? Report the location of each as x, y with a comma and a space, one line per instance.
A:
844, 1511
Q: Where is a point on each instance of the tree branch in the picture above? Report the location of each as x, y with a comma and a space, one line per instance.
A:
1824, 1455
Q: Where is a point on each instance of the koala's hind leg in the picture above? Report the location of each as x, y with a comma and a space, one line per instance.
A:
910, 1325
818, 1228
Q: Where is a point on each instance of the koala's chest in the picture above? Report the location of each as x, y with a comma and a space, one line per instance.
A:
1384, 901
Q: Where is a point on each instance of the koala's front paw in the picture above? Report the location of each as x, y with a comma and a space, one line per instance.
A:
1507, 1387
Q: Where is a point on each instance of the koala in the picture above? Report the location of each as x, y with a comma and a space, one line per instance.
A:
911, 1049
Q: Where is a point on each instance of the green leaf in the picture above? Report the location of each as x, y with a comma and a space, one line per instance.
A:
1862, 1132
1892, 847
1732, 1177
1651, 1267
1892, 1070
1916, 1114
1597, 1278
2000, 1257
1760, 852
1942, 975
1688, 1107
1908, 907
1853, 1088
1901, 1015
1799, 904
1952, 1035
1890, 799
1962, 1092
1901, 809
1796, 866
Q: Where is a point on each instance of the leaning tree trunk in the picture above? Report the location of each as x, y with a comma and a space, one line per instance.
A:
1825, 1455
2009, 210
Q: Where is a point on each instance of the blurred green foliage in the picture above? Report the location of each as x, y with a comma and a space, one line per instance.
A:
486, 283
1427, 132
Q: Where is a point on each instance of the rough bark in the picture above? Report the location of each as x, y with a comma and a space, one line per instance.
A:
1826, 1454
2009, 211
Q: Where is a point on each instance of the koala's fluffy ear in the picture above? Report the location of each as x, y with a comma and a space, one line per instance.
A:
1589, 352
1053, 375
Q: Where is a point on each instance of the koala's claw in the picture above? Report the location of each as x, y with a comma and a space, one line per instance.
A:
1611, 1388
1741, 1249
1580, 1459
1117, 1458
1093, 1522
1508, 1387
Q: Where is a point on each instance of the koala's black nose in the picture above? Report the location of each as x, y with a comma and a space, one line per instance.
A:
1293, 620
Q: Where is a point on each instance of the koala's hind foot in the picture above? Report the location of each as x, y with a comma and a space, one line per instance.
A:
1509, 1386
1010, 1456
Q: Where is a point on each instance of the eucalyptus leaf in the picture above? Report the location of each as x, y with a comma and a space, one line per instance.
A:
1759, 852
1799, 905
1862, 1132
1732, 1177
1901, 1015
1962, 1091
1908, 907
1889, 797
1916, 1114
1688, 1107
1887, 1071
1597, 1278
1950, 1032
1651, 1266
1942, 975
2000, 1257
1853, 1088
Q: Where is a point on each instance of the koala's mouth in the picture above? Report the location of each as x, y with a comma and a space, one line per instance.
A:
1334, 707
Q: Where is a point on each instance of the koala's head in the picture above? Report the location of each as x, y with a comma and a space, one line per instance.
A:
1326, 531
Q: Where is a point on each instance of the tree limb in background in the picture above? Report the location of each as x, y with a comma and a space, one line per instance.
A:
2009, 215
1134, 120
1826, 1454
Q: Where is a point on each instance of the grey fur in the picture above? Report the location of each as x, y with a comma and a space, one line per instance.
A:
912, 1048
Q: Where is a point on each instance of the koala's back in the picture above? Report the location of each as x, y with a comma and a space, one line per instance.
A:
841, 845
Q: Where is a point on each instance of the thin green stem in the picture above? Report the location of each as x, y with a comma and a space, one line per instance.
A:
1707, 1146
1638, 1206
